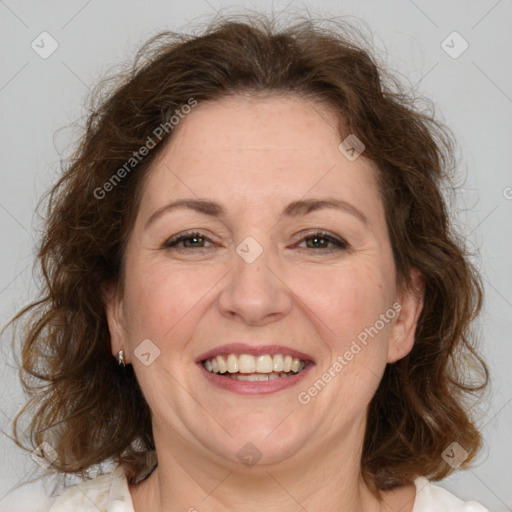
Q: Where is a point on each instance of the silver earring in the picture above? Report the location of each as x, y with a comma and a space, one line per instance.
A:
120, 358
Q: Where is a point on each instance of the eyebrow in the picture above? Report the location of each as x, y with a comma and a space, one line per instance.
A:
294, 209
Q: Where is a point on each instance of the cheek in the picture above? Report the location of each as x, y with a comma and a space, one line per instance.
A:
347, 299
354, 314
160, 301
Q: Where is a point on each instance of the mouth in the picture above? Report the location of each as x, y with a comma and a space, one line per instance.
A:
250, 368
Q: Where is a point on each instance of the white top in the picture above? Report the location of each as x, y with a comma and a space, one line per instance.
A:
110, 493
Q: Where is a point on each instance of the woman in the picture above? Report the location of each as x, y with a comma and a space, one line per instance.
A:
254, 296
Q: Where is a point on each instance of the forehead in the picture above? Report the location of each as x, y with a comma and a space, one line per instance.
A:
258, 149
273, 122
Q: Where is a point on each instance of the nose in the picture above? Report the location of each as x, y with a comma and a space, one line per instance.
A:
255, 293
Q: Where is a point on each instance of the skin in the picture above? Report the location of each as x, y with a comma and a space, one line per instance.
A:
254, 156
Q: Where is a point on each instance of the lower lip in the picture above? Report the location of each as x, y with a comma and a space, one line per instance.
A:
259, 387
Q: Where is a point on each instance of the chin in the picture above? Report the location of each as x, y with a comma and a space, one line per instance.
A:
258, 443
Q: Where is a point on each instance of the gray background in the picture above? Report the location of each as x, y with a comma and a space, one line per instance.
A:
473, 94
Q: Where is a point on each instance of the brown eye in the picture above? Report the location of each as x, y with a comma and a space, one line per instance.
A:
324, 242
191, 240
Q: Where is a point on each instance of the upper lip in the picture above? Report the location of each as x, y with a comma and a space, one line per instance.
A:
255, 350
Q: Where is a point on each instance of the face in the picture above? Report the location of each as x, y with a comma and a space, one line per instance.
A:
279, 268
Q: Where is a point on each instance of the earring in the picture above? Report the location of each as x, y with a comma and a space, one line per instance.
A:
120, 358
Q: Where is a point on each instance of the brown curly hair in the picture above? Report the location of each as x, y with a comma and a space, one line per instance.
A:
91, 410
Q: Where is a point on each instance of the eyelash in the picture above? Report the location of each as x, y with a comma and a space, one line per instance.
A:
338, 243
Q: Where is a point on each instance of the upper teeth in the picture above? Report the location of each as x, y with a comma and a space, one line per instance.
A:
247, 363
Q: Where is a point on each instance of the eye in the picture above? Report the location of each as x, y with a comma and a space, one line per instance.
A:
320, 241
190, 240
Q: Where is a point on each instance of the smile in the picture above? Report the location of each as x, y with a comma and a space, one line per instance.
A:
252, 368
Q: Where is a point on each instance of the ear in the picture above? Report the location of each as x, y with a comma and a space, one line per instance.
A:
114, 313
404, 328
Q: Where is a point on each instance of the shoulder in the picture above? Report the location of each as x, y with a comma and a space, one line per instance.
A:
433, 498
98, 494
87, 495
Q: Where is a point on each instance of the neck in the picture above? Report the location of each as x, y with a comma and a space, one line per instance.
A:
327, 479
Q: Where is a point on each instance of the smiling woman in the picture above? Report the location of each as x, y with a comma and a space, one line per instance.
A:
271, 307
